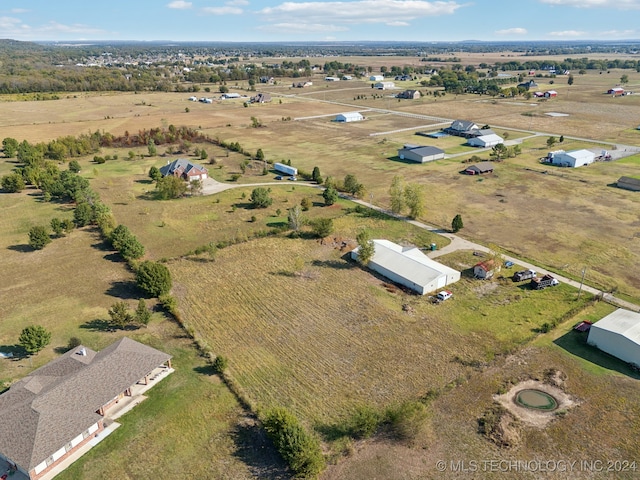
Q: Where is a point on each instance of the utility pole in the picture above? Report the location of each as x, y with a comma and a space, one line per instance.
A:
584, 270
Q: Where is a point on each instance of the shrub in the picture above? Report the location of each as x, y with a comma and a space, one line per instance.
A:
298, 448
219, 364
260, 198
13, 183
154, 278
39, 237
406, 420
364, 422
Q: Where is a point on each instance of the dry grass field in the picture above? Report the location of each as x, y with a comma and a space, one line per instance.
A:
303, 327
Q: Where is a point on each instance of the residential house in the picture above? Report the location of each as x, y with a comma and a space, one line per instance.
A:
550, 94
60, 407
528, 85
461, 128
420, 154
347, 77
267, 80
485, 270
409, 95
331, 79
185, 169
618, 334
479, 168
629, 183
403, 78
409, 267
302, 84
376, 78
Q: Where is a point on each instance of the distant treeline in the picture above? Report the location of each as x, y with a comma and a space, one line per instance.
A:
569, 64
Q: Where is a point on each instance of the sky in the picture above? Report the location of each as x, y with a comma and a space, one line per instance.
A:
321, 20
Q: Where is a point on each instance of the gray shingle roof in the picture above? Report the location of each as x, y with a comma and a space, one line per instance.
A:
181, 164
57, 402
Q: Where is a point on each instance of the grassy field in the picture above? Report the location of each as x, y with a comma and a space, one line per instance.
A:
308, 329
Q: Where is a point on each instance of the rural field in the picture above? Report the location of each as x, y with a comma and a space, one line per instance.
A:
302, 325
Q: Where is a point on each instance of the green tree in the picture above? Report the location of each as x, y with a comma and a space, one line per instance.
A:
203, 154
322, 227
171, 187
305, 203
561, 139
151, 147
330, 195
298, 448
154, 174
352, 186
260, 155
34, 338
195, 186
570, 80
499, 151
223, 89
68, 225
219, 364
260, 198
57, 227
13, 183
624, 78
10, 147
456, 223
143, 314
316, 176
74, 166
154, 278
295, 218
83, 214
120, 315
126, 243
396, 193
39, 237
366, 248
414, 199
551, 141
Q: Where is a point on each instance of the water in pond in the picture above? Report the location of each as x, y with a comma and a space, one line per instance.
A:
536, 399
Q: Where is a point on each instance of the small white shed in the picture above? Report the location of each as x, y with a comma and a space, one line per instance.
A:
485, 141
618, 334
376, 78
385, 85
349, 117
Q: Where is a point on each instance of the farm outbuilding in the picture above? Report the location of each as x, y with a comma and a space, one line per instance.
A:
573, 159
550, 94
618, 334
410, 267
485, 141
616, 91
461, 128
629, 183
409, 94
384, 85
484, 270
420, 154
479, 168
376, 78
349, 117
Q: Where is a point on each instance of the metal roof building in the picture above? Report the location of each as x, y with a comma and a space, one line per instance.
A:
618, 334
420, 154
485, 141
349, 117
574, 158
410, 267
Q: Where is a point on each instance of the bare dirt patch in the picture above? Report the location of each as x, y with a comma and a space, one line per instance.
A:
533, 417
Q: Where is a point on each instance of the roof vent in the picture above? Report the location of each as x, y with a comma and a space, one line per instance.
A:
83, 352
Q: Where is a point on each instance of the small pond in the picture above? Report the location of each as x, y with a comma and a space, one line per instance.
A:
536, 399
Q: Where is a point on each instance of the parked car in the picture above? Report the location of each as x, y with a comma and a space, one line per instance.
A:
293, 179
278, 177
524, 275
444, 295
508, 264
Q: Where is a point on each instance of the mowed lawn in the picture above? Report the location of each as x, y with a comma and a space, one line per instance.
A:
308, 329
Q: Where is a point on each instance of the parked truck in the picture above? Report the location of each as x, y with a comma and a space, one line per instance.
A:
281, 167
524, 275
539, 283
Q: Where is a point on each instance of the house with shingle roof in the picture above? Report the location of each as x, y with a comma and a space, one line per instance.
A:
59, 408
185, 169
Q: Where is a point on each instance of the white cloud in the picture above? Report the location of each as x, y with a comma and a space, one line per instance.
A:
512, 31
228, 10
74, 28
19, 10
398, 23
619, 33
610, 4
15, 28
357, 12
180, 5
295, 28
9, 23
567, 33
237, 2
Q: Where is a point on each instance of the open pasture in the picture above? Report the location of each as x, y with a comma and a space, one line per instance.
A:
307, 328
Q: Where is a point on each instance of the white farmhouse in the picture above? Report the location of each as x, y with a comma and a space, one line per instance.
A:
349, 117
410, 267
618, 334
573, 159
384, 85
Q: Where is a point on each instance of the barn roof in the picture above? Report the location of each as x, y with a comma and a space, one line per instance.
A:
622, 322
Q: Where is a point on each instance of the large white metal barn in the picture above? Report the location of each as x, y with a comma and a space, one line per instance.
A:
410, 267
618, 334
